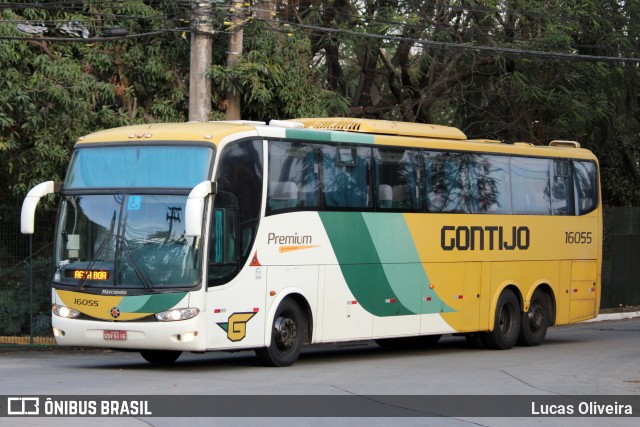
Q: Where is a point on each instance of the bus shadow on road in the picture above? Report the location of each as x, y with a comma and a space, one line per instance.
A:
349, 352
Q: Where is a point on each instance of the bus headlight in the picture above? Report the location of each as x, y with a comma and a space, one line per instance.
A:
66, 312
177, 314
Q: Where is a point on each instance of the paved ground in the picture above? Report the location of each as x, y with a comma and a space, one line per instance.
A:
592, 358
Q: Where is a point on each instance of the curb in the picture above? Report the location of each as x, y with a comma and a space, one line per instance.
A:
614, 316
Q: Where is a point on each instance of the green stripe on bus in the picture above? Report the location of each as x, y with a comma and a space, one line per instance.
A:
315, 135
161, 302
380, 263
360, 138
133, 304
401, 262
360, 264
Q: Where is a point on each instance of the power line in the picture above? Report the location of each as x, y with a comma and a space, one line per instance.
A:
94, 39
329, 30
468, 47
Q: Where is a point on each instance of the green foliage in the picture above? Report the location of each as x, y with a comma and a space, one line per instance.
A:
508, 94
14, 300
57, 92
275, 78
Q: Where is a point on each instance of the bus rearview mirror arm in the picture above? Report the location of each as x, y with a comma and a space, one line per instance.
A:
195, 207
28, 213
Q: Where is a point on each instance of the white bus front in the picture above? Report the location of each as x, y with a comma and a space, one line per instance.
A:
127, 273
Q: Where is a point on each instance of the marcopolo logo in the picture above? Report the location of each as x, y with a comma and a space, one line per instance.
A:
23, 406
491, 237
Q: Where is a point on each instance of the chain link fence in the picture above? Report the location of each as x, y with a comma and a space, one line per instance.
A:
25, 283
25, 305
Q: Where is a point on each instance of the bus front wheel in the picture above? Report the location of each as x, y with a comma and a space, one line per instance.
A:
287, 336
161, 357
506, 327
535, 321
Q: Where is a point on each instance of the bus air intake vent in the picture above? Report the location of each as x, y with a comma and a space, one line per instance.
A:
383, 127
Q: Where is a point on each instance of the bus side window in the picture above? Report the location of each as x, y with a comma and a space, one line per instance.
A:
223, 245
436, 182
293, 176
586, 181
239, 177
491, 183
346, 177
562, 188
448, 182
397, 179
530, 186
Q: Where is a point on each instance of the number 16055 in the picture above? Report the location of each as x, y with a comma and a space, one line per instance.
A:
578, 237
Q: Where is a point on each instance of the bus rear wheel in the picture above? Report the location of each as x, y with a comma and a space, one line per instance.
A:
161, 357
287, 336
535, 321
506, 327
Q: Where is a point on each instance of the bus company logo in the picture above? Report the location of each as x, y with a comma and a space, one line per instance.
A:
236, 327
115, 312
23, 406
494, 237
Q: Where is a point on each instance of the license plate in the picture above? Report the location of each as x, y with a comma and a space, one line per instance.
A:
115, 335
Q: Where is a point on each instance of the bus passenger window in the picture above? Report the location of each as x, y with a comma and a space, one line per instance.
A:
562, 188
293, 176
346, 177
530, 186
491, 182
448, 182
586, 181
438, 182
397, 179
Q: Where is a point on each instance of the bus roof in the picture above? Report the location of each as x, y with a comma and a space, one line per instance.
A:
353, 130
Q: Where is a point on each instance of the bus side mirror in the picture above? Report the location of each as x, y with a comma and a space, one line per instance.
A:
28, 213
194, 210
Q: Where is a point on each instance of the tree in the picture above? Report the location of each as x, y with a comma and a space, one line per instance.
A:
57, 92
275, 77
414, 61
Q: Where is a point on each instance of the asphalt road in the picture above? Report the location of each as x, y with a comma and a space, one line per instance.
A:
599, 358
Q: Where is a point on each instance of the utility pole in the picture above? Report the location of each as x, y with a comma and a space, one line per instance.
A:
201, 47
232, 111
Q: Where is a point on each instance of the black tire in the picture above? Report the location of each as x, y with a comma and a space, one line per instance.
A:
160, 357
535, 322
424, 341
287, 336
506, 327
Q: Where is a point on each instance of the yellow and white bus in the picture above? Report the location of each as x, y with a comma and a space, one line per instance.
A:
242, 235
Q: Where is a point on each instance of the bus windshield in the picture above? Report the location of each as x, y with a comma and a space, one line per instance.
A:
126, 241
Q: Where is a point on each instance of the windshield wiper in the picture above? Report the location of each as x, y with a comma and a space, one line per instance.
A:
135, 266
124, 247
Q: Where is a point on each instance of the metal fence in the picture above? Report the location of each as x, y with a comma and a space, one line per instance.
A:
621, 262
25, 283
25, 302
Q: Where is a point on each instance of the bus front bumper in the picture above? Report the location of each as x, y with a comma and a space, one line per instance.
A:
184, 335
